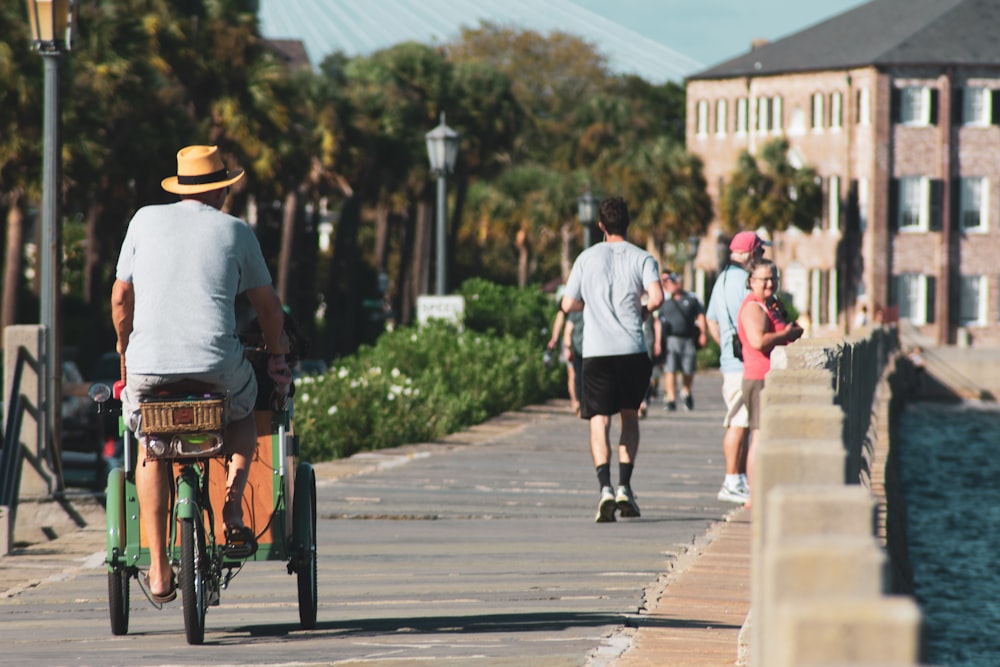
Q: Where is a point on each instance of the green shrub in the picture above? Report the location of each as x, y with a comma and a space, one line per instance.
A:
418, 384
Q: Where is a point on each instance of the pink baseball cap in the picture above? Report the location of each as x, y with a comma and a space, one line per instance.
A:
747, 242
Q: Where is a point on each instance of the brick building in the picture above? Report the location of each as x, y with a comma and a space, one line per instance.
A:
896, 104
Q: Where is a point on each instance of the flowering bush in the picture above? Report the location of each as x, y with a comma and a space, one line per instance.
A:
417, 384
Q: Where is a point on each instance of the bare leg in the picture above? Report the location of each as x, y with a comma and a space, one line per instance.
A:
152, 479
600, 449
754, 437
628, 447
241, 442
571, 380
687, 379
732, 450
669, 387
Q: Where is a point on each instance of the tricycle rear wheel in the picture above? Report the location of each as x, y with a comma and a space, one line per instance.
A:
118, 600
304, 535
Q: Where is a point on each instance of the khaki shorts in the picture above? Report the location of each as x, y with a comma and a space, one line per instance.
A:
732, 393
240, 384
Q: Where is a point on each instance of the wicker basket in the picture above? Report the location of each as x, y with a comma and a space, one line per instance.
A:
182, 416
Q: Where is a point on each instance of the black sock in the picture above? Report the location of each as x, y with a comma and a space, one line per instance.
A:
604, 475
625, 474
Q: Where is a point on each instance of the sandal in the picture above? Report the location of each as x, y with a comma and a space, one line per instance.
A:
240, 542
162, 598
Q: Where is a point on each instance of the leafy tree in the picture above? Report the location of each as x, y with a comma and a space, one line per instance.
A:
771, 193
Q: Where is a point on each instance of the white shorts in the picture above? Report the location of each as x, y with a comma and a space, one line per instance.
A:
732, 393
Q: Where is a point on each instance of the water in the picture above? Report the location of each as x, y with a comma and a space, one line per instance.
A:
950, 460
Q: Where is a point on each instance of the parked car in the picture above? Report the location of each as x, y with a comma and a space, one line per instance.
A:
90, 443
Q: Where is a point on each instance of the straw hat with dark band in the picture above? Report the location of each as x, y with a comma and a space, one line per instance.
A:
200, 169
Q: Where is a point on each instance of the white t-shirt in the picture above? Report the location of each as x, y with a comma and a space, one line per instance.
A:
610, 279
187, 262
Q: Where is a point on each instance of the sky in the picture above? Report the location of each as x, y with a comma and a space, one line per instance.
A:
713, 31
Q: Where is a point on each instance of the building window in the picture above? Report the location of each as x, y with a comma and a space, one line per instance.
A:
721, 118
862, 205
742, 116
776, 114
702, 129
972, 300
863, 111
817, 112
912, 293
913, 209
836, 110
916, 106
974, 205
833, 208
977, 106
763, 115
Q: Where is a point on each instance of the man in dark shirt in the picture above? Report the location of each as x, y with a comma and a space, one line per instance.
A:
681, 325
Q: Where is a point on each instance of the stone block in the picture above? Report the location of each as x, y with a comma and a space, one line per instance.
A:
802, 422
798, 510
823, 567
878, 631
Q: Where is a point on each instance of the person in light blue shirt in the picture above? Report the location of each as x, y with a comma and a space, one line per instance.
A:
723, 310
611, 279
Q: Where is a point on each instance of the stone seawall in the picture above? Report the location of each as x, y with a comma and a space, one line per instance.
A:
825, 590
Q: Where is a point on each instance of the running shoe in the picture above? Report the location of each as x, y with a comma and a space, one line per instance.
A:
606, 508
689, 403
625, 500
733, 493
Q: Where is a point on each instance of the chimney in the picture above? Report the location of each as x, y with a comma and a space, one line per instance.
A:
758, 43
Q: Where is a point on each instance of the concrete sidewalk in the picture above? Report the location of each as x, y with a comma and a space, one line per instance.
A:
533, 466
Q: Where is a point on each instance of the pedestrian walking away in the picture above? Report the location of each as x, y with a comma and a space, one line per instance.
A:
762, 325
180, 269
611, 279
723, 310
680, 332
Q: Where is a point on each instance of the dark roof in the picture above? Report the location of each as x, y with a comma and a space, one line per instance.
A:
291, 51
880, 33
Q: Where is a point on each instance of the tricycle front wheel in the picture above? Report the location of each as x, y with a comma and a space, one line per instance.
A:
192, 579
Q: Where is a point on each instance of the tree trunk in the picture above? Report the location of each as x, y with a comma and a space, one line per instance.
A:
381, 236
403, 297
565, 252
12, 260
342, 296
286, 254
522, 258
422, 251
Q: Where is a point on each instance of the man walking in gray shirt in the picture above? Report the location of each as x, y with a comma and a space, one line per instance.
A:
610, 279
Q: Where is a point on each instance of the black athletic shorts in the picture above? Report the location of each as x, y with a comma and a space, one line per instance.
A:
613, 384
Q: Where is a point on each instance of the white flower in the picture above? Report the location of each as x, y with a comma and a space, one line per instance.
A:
413, 338
392, 396
395, 372
304, 398
342, 373
332, 410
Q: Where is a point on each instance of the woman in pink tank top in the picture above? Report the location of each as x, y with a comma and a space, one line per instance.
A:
761, 326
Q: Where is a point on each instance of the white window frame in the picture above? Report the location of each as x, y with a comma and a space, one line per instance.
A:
836, 110
864, 107
915, 106
974, 195
833, 208
742, 115
721, 117
972, 300
701, 129
977, 106
818, 112
914, 205
777, 115
911, 290
763, 114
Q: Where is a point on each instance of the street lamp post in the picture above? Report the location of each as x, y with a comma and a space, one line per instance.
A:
442, 150
52, 23
586, 208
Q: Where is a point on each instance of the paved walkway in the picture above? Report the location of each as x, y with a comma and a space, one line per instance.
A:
691, 614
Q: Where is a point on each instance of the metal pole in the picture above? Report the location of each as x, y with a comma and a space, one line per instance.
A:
50, 265
441, 261
586, 236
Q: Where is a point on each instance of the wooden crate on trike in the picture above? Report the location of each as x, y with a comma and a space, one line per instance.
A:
279, 505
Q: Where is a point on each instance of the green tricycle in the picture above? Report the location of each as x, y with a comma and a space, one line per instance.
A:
279, 504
